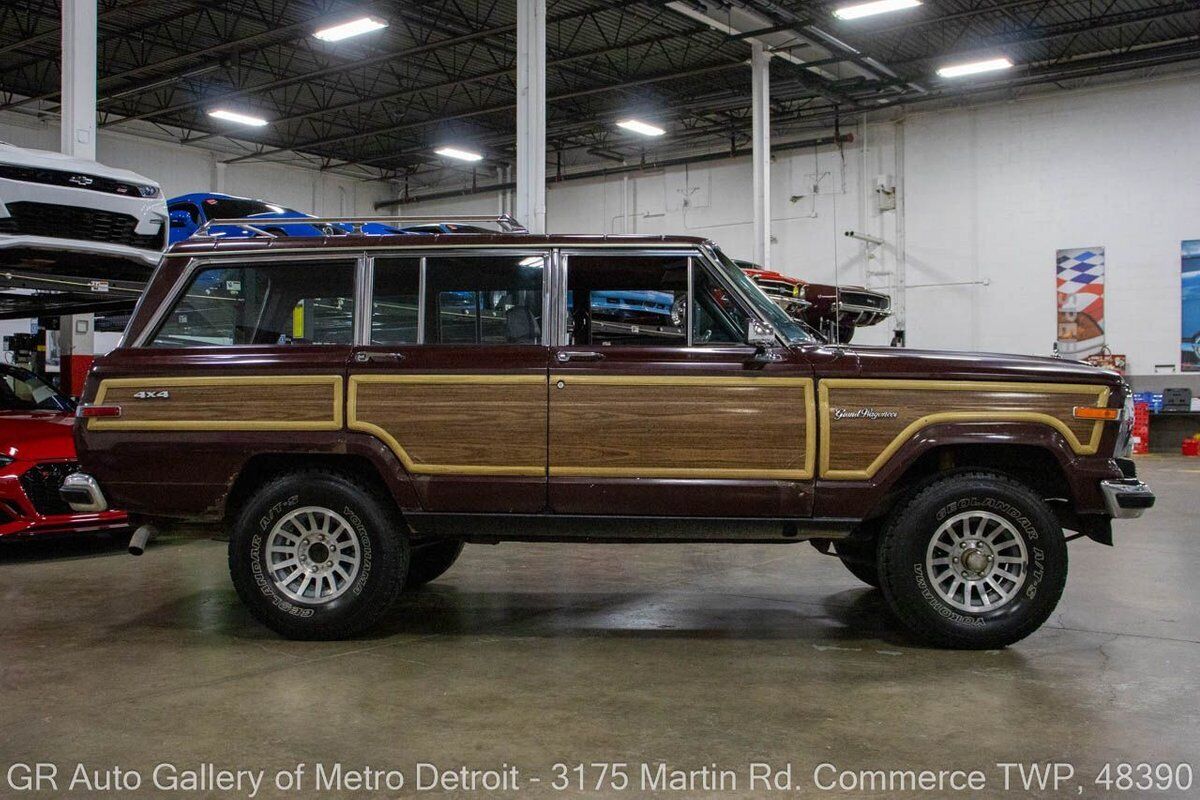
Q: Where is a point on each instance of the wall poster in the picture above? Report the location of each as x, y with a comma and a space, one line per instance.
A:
1189, 262
1080, 290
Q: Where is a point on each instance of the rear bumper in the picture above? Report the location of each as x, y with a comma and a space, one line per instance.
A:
1126, 498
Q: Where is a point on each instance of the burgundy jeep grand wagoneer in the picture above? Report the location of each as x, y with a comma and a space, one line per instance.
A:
354, 408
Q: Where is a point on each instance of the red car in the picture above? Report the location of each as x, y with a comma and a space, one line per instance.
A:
37, 450
834, 311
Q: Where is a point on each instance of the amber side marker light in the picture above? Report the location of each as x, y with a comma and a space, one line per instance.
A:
1102, 414
89, 412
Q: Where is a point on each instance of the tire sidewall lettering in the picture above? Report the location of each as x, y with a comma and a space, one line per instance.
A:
995, 505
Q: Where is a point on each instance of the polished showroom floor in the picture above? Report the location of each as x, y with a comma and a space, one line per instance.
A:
535, 654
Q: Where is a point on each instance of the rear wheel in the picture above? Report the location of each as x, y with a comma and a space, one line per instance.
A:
315, 555
973, 561
430, 561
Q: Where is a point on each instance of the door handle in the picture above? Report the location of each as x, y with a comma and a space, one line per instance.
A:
363, 357
578, 355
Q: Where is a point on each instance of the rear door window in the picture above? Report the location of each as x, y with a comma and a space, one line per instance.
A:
304, 302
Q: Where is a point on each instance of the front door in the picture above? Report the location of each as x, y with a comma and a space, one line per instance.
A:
453, 378
658, 407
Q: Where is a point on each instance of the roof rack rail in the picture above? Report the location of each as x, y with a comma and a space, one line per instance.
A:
505, 222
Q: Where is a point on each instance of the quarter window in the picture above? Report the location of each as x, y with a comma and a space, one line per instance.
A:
308, 302
484, 299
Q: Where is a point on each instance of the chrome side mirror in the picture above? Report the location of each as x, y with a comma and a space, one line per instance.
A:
760, 334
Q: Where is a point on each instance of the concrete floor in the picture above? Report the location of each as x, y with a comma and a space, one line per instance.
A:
528, 655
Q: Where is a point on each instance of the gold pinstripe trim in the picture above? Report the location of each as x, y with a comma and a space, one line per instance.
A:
356, 424
810, 416
1081, 448
118, 424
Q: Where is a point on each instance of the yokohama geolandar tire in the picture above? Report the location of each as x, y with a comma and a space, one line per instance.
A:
973, 561
316, 554
429, 561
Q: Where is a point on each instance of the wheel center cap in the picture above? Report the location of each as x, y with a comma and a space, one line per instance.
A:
975, 561
318, 552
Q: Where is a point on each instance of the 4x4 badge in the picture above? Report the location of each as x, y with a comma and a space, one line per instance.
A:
161, 394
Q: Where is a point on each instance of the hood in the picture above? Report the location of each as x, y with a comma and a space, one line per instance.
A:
891, 362
26, 157
771, 276
37, 435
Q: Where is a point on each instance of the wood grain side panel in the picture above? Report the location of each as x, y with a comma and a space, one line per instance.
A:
864, 422
460, 425
300, 402
703, 428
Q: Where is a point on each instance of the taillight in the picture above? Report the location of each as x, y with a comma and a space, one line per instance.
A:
91, 411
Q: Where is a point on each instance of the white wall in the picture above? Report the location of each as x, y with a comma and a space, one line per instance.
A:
990, 193
188, 169
993, 192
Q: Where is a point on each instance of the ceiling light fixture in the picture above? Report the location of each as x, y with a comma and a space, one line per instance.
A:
461, 155
241, 119
871, 9
974, 67
644, 128
357, 27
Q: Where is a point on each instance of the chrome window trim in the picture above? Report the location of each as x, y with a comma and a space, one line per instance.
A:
715, 271
364, 292
199, 263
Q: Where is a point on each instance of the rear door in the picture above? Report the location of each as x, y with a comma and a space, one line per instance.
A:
659, 407
452, 375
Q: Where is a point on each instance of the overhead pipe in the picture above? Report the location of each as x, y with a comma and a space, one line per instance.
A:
602, 172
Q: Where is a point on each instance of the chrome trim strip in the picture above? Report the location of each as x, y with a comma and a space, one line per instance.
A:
80, 482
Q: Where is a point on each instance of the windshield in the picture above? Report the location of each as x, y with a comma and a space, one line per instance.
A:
785, 326
237, 208
21, 390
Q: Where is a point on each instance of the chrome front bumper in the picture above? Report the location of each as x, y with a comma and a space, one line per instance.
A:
82, 494
1126, 498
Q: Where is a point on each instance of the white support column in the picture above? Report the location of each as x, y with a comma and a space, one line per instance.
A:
531, 115
760, 113
78, 126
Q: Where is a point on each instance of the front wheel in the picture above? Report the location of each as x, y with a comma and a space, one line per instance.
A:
973, 561
315, 555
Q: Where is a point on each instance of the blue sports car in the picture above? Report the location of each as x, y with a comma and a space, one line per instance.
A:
189, 211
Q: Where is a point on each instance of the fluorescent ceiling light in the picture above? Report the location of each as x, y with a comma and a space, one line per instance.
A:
461, 155
644, 128
355, 27
241, 119
871, 9
974, 67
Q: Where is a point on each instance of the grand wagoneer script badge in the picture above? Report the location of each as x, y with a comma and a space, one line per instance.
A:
863, 413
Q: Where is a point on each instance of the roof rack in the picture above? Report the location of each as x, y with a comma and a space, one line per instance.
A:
505, 222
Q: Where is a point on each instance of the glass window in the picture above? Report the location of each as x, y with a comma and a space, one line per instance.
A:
484, 299
627, 300
306, 302
21, 390
643, 301
394, 310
